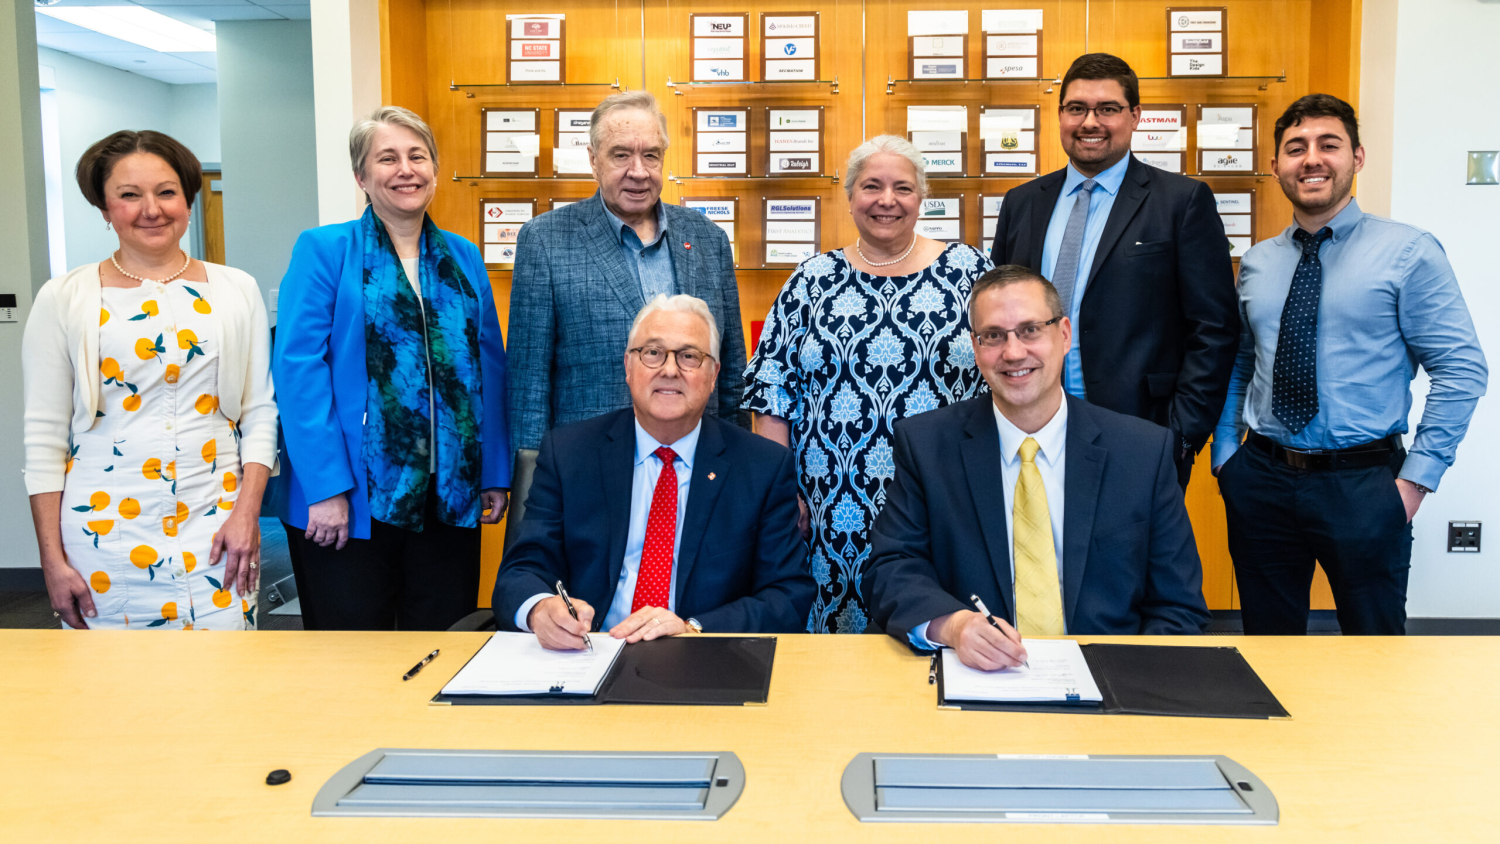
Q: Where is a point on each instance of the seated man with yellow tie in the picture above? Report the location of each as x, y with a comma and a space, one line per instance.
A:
666, 520
1061, 517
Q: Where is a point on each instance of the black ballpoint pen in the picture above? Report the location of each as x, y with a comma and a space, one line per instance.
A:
984, 611
419, 666
563, 593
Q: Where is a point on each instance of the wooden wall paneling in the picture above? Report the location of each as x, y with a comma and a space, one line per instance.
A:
403, 54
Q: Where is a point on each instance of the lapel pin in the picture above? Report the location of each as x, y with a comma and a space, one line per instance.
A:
686, 245
711, 476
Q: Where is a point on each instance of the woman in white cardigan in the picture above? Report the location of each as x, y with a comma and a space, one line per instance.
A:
150, 415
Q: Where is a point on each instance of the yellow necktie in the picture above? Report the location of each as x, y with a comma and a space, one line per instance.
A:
1039, 609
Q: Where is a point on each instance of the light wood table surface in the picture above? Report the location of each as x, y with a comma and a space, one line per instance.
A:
120, 737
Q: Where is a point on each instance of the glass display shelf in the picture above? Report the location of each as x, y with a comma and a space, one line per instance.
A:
891, 82
681, 88
470, 88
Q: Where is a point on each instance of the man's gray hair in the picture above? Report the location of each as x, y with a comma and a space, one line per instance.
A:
362, 136
894, 144
641, 100
681, 303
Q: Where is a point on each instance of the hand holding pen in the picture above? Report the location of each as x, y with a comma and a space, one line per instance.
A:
573, 611
1007, 631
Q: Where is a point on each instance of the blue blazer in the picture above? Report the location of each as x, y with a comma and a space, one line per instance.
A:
1130, 565
573, 298
741, 563
319, 369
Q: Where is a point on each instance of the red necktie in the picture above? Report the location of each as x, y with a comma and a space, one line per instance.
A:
653, 581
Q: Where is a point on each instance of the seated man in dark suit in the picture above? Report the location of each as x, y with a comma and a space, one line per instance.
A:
1062, 517
666, 520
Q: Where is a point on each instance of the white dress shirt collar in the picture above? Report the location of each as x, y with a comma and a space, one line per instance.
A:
686, 448
1052, 436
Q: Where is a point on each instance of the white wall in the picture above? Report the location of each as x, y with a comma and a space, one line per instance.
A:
268, 144
346, 79
1443, 104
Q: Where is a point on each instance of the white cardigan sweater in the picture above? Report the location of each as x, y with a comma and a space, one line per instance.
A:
60, 368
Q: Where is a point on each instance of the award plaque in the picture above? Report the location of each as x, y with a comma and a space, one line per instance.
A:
989, 216
720, 138
554, 203
501, 221
942, 218
1009, 136
1160, 139
941, 134
1197, 41
719, 46
937, 44
723, 211
570, 147
1237, 211
510, 141
792, 229
1012, 43
789, 49
1227, 138
534, 49
794, 141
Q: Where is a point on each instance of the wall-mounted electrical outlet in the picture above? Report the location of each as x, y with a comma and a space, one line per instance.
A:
1463, 536
7, 307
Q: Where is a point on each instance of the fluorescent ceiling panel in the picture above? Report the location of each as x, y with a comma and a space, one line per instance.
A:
138, 25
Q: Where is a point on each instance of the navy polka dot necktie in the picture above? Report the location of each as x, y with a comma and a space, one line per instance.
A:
1294, 378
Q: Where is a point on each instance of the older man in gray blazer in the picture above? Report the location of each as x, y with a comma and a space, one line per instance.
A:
583, 271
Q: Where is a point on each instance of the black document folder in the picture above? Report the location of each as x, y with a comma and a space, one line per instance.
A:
1158, 680
679, 670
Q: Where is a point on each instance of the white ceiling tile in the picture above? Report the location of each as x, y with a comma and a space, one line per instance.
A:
196, 12
84, 41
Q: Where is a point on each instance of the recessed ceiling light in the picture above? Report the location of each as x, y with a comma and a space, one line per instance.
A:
137, 25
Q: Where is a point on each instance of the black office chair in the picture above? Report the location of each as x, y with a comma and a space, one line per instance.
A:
520, 486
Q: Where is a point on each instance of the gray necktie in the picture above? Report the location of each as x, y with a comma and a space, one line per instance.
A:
1065, 273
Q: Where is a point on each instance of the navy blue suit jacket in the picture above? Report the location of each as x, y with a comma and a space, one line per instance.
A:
741, 565
1130, 565
1159, 324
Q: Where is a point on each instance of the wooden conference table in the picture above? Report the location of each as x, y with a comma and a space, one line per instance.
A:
117, 737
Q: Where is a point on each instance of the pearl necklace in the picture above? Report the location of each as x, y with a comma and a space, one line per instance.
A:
188, 261
887, 263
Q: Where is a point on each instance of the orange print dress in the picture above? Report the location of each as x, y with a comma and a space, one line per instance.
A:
155, 478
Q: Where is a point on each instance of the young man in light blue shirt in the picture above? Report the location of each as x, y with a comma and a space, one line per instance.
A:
1337, 311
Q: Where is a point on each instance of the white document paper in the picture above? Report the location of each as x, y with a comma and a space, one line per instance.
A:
573, 140
499, 253
1011, 142
988, 246
938, 141
535, 71
789, 253
937, 23
1236, 224
1233, 203
1217, 135
1197, 21
1239, 115
1019, 163
562, 203
535, 26
1010, 20
1159, 121
1196, 42
719, 48
517, 664
804, 141
937, 68
507, 212
791, 48
728, 227
718, 71
802, 162
506, 141
792, 209
721, 142
510, 121
1168, 161
1238, 246
536, 49
509, 162
791, 27
716, 164
1175, 139
787, 70
797, 230
940, 206
937, 118
711, 208
501, 233
1010, 45
987, 229
928, 46
571, 160
730, 25
940, 229
1208, 64
573, 121
782, 119
989, 206
527, 144
1058, 672
1023, 67
723, 121
995, 121
1227, 161
943, 162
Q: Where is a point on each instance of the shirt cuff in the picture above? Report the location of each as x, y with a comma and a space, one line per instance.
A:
1226, 443
918, 638
525, 611
1422, 470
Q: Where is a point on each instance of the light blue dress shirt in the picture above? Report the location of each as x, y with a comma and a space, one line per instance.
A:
650, 263
642, 489
1390, 302
1106, 187
1051, 462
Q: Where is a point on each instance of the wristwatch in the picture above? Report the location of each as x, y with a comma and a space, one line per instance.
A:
693, 626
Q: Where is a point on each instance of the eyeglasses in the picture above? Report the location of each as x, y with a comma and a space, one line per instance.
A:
1031, 332
654, 357
1105, 111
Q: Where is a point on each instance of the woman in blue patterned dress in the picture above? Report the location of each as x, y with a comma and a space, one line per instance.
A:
858, 338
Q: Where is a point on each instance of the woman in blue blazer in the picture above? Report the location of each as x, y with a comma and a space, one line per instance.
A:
390, 358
